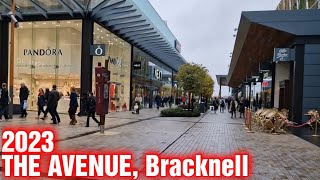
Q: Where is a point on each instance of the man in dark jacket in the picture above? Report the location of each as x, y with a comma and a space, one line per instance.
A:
158, 100
4, 101
91, 109
23, 95
53, 99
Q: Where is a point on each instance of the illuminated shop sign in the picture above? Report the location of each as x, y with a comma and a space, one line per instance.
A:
136, 65
157, 74
98, 50
42, 52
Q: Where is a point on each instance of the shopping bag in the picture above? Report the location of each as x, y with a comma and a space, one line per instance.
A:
25, 105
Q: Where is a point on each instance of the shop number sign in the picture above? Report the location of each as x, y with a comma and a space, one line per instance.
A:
98, 50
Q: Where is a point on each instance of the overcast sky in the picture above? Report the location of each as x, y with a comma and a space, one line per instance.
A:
205, 28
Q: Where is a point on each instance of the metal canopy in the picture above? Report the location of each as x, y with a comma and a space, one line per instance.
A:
259, 32
136, 21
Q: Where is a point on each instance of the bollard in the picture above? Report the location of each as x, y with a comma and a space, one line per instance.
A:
316, 128
249, 119
246, 119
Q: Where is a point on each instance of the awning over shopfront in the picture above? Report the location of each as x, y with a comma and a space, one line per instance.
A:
260, 32
133, 20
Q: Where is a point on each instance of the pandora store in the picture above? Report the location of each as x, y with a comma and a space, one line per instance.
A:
51, 52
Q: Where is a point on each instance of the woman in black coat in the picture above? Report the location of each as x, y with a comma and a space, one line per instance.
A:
73, 106
4, 101
242, 106
41, 103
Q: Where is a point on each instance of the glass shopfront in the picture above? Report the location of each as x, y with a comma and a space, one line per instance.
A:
150, 78
118, 55
47, 53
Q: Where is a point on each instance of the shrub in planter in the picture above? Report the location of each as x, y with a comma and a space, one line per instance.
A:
179, 112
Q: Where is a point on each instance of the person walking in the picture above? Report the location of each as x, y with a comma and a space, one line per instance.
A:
242, 106
73, 106
4, 101
215, 104
41, 102
233, 108
157, 99
222, 105
138, 101
23, 95
53, 99
91, 109
46, 97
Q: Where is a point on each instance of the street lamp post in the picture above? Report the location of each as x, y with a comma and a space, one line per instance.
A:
11, 69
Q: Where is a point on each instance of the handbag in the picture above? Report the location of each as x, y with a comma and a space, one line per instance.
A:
25, 105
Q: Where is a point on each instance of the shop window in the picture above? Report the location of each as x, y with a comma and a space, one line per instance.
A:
118, 54
47, 53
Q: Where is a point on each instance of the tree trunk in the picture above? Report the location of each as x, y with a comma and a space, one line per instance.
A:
189, 104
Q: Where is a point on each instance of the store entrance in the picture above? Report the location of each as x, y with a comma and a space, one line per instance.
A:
47, 53
284, 95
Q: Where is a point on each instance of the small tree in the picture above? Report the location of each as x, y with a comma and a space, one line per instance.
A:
193, 78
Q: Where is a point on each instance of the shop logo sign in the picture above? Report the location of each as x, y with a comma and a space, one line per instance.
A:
136, 65
157, 74
115, 61
98, 50
282, 54
42, 52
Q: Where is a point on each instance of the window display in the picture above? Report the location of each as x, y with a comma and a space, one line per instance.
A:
47, 53
118, 55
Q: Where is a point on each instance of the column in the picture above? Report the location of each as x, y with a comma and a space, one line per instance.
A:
4, 50
86, 58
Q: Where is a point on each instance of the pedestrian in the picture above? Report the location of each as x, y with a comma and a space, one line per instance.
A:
4, 101
83, 104
260, 103
242, 106
53, 100
138, 101
91, 109
23, 95
46, 97
157, 99
222, 105
73, 106
41, 103
215, 104
233, 108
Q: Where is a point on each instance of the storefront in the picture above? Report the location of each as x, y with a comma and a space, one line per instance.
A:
152, 77
289, 43
54, 47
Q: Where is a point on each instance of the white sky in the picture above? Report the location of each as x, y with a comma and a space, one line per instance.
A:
205, 28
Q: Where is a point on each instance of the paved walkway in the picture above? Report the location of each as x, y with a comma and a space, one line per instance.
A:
274, 156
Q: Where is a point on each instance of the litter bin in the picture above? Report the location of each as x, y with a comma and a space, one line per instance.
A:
202, 107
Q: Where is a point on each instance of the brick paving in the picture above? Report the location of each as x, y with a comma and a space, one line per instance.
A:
274, 156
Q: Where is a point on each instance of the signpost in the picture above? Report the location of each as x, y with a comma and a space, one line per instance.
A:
102, 94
